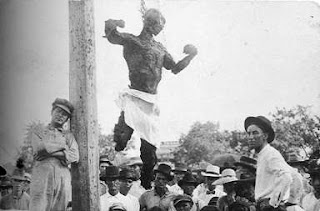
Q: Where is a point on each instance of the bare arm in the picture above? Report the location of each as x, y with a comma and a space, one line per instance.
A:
177, 67
111, 32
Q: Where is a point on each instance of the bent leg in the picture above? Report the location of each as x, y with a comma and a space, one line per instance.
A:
122, 133
149, 159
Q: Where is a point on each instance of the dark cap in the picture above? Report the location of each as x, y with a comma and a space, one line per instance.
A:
247, 162
182, 198
188, 179
263, 123
64, 104
127, 173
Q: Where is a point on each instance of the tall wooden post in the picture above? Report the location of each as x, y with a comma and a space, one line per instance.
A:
82, 88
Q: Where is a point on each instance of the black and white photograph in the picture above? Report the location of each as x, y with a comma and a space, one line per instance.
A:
160, 105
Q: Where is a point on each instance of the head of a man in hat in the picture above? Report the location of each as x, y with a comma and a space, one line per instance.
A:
188, 183
61, 112
135, 164
5, 185
211, 174
246, 165
163, 174
260, 132
183, 203
179, 171
127, 177
111, 176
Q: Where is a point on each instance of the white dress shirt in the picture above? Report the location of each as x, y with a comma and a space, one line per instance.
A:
273, 176
107, 200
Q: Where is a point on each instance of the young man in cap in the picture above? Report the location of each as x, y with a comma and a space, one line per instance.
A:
273, 173
18, 199
54, 149
127, 177
103, 163
111, 176
207, 190
159, 195
183, 203
145, 58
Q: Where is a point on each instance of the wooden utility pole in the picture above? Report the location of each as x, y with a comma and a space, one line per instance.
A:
82, 91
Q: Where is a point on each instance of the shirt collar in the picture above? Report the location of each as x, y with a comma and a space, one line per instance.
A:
264, 150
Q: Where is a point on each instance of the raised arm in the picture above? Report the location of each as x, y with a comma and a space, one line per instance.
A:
169, 63
111, 32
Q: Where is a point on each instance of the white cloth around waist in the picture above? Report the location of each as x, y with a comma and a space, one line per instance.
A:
141, 113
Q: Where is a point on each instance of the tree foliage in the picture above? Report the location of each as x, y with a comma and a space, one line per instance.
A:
295, 128
202, 143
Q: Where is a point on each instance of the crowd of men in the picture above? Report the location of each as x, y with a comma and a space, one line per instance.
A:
263, 182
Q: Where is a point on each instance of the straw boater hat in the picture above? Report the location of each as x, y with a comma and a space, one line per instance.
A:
105, 159
64, 104
227, 176
263, 123
188, 179
165, 170
211, 171
247, 162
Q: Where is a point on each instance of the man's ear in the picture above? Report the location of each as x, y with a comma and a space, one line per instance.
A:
265, 135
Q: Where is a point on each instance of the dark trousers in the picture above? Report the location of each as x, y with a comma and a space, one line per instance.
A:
122, 134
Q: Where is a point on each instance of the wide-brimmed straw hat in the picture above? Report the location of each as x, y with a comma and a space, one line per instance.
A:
227, 176
211, 171
165, 170
263, 123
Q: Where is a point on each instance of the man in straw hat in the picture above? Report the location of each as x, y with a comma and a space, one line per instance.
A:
273, 173
183, 203
159, 195
145, 58
18, 199
208, 190
54, 149
227, 179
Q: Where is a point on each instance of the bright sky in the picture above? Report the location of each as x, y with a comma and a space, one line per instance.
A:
253, 56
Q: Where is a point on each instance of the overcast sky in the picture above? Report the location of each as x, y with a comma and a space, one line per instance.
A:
253, 56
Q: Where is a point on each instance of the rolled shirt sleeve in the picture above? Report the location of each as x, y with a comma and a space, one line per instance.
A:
282, 175
72, 150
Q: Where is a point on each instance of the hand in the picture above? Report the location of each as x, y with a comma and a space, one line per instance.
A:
275, 199
120, 23
42, 154
190, 49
